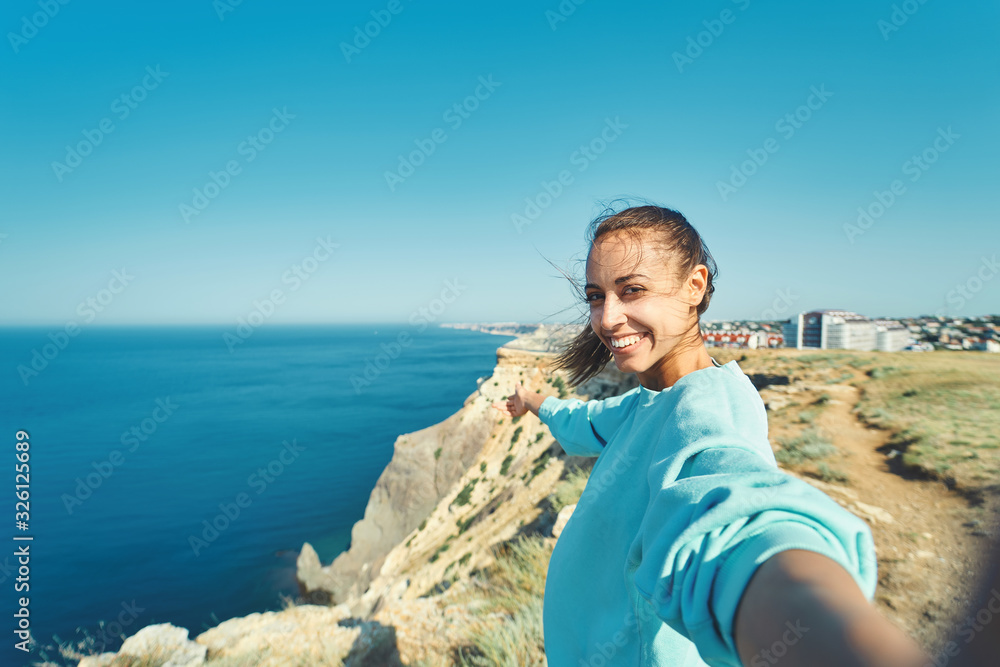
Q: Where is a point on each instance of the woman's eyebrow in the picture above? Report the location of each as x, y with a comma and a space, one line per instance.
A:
618, 281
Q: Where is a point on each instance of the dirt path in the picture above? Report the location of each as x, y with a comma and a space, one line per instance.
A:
928, 539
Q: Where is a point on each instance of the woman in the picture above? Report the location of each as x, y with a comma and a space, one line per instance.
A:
688, 546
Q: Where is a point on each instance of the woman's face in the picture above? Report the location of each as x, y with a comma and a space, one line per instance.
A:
639, 302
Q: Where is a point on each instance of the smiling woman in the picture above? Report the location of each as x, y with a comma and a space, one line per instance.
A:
688, 545
632, 290
648, 317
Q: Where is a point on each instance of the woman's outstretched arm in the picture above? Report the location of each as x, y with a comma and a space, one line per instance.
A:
582, 427
802, 608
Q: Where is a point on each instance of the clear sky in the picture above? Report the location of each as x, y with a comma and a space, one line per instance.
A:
220, 154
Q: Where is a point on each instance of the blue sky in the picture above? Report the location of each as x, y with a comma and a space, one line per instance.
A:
309, 128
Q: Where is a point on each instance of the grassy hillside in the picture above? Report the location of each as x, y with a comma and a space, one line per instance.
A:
942, 407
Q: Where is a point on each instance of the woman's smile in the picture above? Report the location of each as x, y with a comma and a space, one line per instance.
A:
633, 340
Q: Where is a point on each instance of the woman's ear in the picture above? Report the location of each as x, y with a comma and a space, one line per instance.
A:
697, 283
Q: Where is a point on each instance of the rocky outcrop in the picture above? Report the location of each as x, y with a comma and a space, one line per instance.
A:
303, 635
168, 645
425, 465
562, 519
451, 493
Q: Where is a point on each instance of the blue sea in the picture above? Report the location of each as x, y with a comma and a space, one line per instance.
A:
174, 478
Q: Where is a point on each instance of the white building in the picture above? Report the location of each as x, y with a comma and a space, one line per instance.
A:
891, 336
830, 329
983, 345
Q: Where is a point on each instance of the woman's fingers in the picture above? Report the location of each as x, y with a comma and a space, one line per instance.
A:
510, 407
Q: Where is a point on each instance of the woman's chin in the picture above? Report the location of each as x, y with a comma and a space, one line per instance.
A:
626, 365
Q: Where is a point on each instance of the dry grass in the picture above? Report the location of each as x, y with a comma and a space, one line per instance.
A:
942, 407
508, 596
569, 489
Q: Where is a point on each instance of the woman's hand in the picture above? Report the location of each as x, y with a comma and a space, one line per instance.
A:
520, 402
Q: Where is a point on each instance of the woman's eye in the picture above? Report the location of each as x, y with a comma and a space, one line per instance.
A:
632, 289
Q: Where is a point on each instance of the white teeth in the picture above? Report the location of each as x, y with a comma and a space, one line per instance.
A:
625, 342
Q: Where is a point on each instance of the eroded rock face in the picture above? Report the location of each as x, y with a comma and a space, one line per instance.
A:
165, 643
415, 481
315, 581
406, 492
386, 612
312, 634
303, 634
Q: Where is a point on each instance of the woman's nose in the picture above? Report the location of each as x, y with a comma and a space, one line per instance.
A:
612, 313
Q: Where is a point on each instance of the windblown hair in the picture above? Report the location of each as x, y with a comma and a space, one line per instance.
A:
666, 229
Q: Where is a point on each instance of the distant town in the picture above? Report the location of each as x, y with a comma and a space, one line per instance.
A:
826, 329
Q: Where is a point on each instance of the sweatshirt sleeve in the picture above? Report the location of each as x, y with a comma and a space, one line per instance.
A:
583, 428
718, 509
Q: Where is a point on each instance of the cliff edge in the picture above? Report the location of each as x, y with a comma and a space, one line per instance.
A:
448, 564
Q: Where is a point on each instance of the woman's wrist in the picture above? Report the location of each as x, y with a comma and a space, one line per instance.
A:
534, 402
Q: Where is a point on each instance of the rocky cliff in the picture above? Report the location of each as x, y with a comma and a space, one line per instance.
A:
426, 466
451, 494
459, 495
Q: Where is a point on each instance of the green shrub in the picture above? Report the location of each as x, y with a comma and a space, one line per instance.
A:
540, 463
437, 453
463, 496
505, 466
482, 467
463, 525
569, 489
807, 416
812, 444
828, 474
880, 372
441, 549
517, 434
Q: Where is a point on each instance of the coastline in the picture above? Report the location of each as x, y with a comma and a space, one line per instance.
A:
498, 328
465, 493
413, 502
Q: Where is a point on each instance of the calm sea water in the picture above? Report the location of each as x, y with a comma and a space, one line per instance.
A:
146, 442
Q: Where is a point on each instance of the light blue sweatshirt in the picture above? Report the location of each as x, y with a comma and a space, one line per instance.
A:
684, 502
